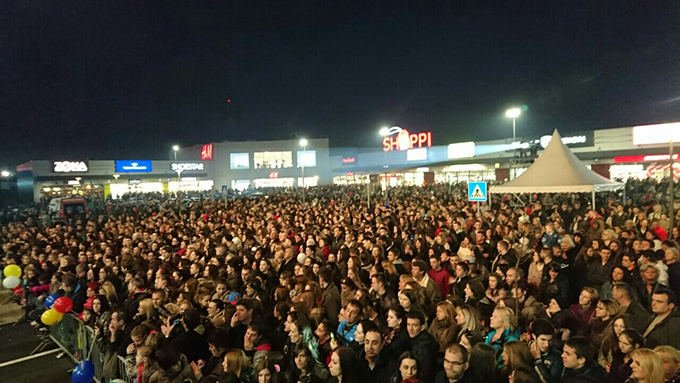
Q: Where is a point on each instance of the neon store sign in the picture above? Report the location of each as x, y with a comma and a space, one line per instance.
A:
400, 139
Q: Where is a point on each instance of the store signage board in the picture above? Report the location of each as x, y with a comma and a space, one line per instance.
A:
207, 152
644, 158
477, 192
273, 175
187, 166
349, 160
461, 150
406, 141
70, 167
416, 154
658, 134
134, 166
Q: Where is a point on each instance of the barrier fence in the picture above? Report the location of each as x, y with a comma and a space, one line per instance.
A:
78, 341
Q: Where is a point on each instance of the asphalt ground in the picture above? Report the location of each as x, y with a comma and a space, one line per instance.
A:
17, 342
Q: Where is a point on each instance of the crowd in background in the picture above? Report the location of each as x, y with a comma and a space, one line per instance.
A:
422, 286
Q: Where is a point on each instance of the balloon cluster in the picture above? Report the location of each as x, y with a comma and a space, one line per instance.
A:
12, 274
56, 308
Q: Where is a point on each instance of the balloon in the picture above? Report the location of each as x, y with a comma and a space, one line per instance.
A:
63, 305
12, 271
11, 282
49, 301
83, 373
51, 317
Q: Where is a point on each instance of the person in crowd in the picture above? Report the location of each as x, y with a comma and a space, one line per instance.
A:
585, 309
602, 323
646, 367
352, 314
546, 358
343, 366
408, 369
516, 354
307, 366
620, 368
444, 328
456, 366
482, 359
375, 365
639, 317
503, 326
671, 362
577, 357
610, 344
467, 318
423, 346
664, 328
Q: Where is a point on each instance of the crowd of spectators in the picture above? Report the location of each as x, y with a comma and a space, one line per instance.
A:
422, 286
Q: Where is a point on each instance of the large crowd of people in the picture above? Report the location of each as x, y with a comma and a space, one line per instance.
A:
422, 286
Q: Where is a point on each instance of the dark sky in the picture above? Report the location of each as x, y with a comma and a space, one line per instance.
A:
127, 79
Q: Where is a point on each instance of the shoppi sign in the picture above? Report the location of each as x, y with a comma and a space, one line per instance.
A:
644, 158
187, 166
70, 167
133, 166
397, 138
207, 152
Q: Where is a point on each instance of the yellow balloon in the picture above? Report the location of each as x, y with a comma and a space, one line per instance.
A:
12, 271
51, 317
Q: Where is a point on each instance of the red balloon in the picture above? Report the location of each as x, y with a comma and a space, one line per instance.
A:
63, 305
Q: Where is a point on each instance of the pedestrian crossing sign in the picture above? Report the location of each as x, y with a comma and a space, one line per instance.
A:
477, 191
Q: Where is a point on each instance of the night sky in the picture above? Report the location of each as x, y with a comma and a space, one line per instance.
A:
127, 79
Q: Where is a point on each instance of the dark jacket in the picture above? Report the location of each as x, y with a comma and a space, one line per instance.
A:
549, 365
468, 377
330, 301
425, 349
381, 372
674, 277
591, 370
666, 333
193, 345
78, 297
638, 315
598, 273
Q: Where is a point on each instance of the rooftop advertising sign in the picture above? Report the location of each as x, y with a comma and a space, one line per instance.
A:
70, 167
186, 166
397, 138
133, 166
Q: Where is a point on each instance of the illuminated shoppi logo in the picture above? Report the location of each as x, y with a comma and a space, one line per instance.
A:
405, 141
186, 167
207, 152
70, 167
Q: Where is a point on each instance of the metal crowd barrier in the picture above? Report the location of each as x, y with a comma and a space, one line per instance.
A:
77, 340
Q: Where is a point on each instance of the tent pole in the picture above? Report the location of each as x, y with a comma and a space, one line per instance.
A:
594, 207
671, 189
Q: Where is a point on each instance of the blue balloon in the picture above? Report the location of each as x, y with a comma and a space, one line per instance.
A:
83, 373
49, 301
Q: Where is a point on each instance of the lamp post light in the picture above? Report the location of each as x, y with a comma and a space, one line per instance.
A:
303, 143
513, 113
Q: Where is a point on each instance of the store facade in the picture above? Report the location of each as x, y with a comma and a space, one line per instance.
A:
115, 178
263, 164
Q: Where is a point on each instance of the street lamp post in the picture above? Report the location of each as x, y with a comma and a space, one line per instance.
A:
303, 143
513, 113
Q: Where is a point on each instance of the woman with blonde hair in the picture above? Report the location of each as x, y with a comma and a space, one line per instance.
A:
236, 362
503, 324
671, 362
444, 328
467, 318
647, 367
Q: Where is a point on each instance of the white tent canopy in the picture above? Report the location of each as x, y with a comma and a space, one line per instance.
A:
558, 170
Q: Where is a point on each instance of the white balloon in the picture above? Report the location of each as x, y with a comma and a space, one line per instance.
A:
11, 282
301, 258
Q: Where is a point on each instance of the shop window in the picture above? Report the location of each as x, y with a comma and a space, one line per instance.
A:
273, 160
306, 158
240, 160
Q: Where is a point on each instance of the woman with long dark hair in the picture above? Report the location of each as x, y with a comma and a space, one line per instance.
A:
343, 365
